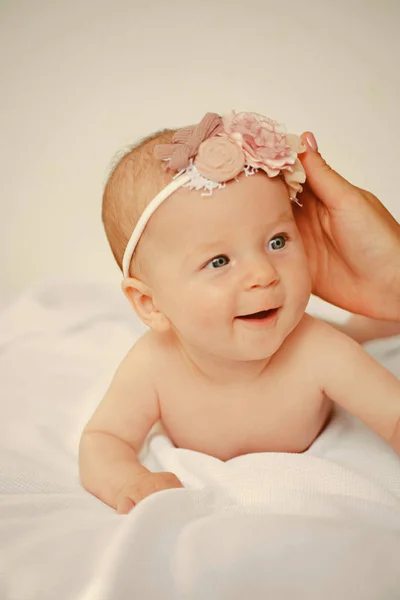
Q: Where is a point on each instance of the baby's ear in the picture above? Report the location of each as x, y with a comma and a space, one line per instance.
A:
140, 297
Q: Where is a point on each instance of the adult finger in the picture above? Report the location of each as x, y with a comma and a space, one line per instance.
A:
328, 186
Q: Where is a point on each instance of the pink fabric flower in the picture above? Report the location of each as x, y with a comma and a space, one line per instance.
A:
293, 178
219, 159
263, 141
186, 142
294, 174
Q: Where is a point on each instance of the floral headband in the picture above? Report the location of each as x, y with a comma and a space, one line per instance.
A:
207, 155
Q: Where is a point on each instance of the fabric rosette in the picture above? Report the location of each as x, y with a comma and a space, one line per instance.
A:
267, 146
219, 159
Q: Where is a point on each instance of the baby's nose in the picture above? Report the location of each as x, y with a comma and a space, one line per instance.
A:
261, 273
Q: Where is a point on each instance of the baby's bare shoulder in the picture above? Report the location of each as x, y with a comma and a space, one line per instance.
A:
319, 346
317, 331
312, 330
306, 334
312, 338
144, 351
140, 352
151, 352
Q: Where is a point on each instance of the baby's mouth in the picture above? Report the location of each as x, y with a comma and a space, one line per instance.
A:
262, 314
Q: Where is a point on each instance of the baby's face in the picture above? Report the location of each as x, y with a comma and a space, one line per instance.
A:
215, 260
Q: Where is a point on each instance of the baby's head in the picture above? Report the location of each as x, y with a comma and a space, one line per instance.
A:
218, 243
134, 181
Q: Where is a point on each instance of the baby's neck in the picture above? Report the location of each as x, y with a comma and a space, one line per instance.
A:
221, 371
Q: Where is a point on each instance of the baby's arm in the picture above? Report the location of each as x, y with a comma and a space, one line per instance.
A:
110, 442
357, 382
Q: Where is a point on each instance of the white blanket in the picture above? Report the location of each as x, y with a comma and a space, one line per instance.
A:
323, 524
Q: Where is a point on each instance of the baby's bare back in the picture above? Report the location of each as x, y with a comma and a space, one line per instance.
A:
282, 410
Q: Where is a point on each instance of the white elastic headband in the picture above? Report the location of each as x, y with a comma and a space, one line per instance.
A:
145, 216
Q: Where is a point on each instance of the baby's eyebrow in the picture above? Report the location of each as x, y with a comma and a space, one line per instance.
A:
206, 248
282, 219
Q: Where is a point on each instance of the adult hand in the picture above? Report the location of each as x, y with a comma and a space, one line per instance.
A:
351, 240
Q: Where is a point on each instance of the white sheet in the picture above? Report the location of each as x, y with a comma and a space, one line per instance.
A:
324, 524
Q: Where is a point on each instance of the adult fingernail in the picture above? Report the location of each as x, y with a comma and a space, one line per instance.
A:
311, 141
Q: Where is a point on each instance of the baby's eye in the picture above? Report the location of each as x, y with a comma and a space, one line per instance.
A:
278, 242
217, 262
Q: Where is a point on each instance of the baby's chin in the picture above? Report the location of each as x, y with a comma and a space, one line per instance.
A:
255, 355
267, 344
251, 350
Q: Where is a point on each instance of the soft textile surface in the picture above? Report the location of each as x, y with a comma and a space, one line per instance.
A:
324, 524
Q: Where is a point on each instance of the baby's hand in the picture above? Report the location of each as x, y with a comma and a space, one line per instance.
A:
146, 483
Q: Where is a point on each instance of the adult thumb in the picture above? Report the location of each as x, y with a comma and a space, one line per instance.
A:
329, 187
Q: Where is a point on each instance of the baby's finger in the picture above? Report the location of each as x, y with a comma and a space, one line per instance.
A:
171, 481
125, 505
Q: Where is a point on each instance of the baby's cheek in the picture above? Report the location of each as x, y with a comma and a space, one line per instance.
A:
206, 316
207, 311
302, 288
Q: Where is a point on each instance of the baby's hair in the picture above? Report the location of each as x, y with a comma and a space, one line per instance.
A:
135, 179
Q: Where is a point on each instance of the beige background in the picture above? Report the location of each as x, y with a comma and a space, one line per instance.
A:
81, 79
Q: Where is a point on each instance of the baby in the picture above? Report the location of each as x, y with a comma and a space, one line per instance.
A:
200, 221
